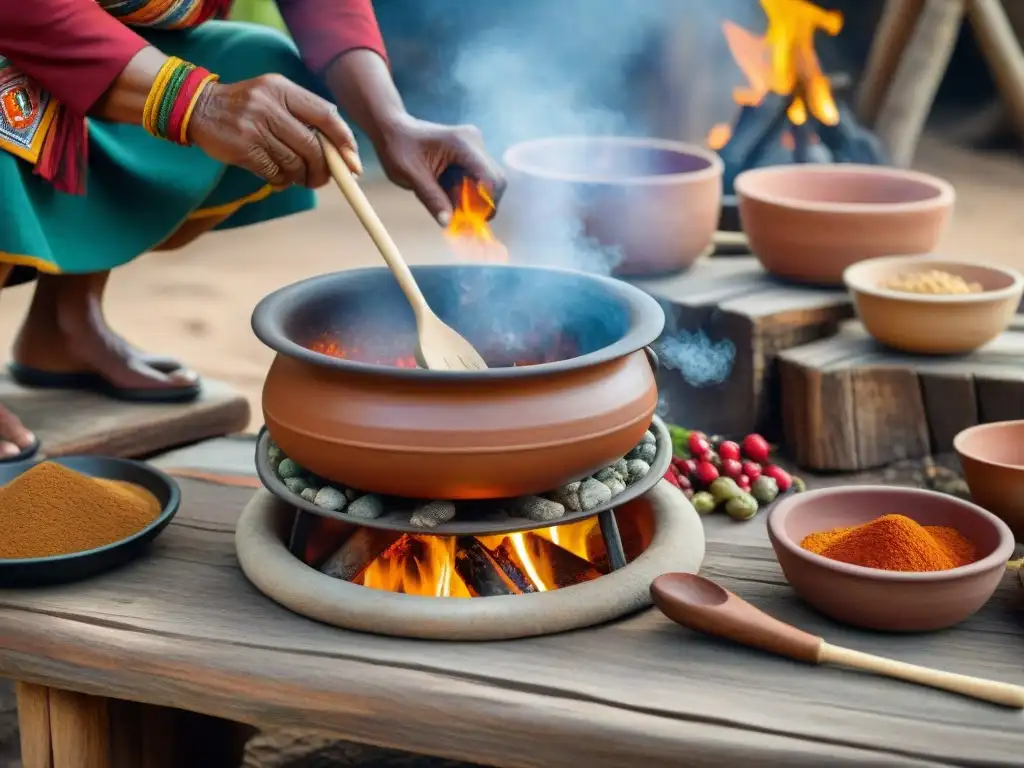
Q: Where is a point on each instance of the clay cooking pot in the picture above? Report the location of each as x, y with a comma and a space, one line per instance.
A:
503, 432
640, 206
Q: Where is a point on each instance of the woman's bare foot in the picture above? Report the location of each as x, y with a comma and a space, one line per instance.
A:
14, 438
65, 332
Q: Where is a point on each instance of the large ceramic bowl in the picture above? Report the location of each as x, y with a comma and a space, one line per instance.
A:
933, 324
888, 600
585, 397
808, 223
641, 206
992, 458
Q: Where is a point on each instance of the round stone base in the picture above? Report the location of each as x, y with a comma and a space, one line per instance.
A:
677, 546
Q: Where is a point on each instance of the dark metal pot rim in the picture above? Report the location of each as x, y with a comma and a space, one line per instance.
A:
647, 320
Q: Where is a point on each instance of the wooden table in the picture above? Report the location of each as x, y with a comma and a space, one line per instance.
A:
183, 629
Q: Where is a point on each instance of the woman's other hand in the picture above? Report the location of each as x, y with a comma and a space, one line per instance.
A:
415, 153
266, 125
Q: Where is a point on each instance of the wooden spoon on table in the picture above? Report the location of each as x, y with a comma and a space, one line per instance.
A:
439, 347
702, 605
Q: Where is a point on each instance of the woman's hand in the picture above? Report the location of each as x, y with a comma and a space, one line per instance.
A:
266, 125
415, 153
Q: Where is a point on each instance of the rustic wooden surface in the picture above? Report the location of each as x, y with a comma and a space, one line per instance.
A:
735, 300
81, 422
184, 628
849, 404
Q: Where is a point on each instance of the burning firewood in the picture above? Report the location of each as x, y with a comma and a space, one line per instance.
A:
360, 549
504, 558
568, 569
479, 571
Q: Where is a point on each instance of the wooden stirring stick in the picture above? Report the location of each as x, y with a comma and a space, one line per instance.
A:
439, 347
700, 604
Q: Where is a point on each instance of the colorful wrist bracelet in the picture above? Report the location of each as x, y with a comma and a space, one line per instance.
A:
172, 99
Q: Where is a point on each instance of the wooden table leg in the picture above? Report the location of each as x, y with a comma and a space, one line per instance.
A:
34, 725
79, 730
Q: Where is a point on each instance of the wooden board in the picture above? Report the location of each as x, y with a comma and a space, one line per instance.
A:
850, 404
734, 301
80, 422
184, 628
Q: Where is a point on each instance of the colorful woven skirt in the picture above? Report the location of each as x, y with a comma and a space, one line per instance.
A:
139, 189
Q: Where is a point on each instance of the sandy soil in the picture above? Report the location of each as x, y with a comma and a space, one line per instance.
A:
196, 303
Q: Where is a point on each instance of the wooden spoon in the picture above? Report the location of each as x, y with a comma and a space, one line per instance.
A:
439, 347
700, 604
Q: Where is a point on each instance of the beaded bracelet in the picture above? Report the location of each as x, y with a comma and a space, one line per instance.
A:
173, 98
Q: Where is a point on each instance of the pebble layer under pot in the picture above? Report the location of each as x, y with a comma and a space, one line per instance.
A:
579, 555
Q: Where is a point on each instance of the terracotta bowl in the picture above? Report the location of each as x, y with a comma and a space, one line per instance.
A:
932, 324
992, 457
644, 206
507, 431
888, 600
808, 223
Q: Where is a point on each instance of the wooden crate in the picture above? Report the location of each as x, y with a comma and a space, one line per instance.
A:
734, 302
849, 404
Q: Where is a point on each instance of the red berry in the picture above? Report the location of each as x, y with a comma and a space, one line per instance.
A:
731, 468
673, 478
679, 464
706, 473
752, 470
684, 482
729, 450
689, 467
743, 482
698, 444
756, 448
781, 477
688, 493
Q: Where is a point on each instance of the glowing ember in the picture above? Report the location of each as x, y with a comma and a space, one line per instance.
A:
426, 565
468, 232
783, 61
327, 345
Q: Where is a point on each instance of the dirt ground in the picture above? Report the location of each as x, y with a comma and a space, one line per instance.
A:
196, 303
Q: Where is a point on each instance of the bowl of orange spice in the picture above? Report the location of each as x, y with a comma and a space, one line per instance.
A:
888, 558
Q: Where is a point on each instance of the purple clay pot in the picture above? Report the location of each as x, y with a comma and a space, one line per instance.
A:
635, 207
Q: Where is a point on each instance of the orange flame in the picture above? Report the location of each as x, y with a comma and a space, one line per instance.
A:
468, 232
783, 61
425, 565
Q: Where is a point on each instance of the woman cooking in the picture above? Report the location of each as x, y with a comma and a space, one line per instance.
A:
193, 124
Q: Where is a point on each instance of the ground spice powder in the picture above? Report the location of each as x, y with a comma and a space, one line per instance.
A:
894, 543
52, 510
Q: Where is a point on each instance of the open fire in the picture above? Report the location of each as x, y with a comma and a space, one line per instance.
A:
540, 560
468, 232
783, 61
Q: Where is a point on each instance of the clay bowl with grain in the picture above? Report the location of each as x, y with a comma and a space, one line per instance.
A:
639, 206
933, 323
992, 458
890, 601
808, 223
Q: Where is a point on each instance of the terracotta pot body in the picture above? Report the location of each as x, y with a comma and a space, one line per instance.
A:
636, 206
888, 600
992, 458
499, 433
934, 324
808, 223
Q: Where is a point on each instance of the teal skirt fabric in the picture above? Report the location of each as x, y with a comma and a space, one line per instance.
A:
140, 189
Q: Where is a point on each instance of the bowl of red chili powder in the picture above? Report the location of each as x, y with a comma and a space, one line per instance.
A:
892, 559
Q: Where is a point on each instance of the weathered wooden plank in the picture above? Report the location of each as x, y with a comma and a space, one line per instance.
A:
733, 304
183, 628
902, 406
81, 422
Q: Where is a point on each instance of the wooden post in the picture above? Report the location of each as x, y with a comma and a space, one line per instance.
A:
79, 730
920, 71
34, 725
999, 43
890, 40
